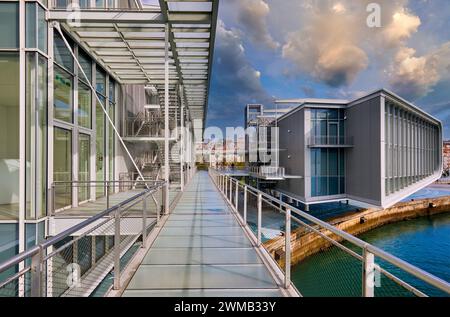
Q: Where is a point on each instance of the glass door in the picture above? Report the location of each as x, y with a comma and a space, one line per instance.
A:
333, 133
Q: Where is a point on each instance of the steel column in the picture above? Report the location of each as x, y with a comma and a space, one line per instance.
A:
166, 119
144, 221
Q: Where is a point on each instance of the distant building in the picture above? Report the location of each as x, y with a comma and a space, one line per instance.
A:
446, 158
377, 149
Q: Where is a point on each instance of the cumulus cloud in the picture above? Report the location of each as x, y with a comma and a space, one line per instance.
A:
252, 17
402, 26
328, 51
415, 76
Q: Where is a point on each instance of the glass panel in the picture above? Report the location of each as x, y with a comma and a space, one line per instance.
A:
84, 106
111, 142
62, 55
42, 30
63, 95
36, 136
112, 90
84, 249
9, 24
99, 3
86, 65
99, 247
62, 167
100, 146
9, 246
101, 81
30, 25
84, 150
9, 136
84, 3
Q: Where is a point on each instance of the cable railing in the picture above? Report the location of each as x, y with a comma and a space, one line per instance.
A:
76, 261
64, 194
331, 261
268, 171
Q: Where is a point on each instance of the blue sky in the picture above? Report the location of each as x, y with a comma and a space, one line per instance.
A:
268, 49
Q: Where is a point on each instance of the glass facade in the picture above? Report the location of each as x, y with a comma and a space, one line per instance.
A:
327, 172
62, 167
84, 106
36, 27
9, 24
328, 126
62, 95
100, 146
84, 166
36, 136
410, 148
9, 136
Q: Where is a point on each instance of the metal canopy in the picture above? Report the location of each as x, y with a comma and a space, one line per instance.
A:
130, 43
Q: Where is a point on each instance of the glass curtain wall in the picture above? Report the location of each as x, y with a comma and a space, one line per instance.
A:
9, 113
36, 136
84, 166
62, 166
327, 172
328, 126
100, 130
111, 136
410, 149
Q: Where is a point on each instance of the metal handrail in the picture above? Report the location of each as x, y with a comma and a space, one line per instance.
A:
15, 260
284, 207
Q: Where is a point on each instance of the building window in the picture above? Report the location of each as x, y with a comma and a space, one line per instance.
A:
101, 81
9, 24
410, 148
9, 135
86, 65
36, 27
62, 167
84, 166
63, 85
327, 172
327, 127
100, 146
84, 106
62, 54
36, 136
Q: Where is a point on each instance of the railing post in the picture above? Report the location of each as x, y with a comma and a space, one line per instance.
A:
287, 247
259, 218
236, 196
36, 274
231, 191
144, 221
165, 199
245, 205
117, 249
368, 272
107, 194
226, 186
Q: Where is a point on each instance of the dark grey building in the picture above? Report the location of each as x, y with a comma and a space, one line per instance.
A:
377, 149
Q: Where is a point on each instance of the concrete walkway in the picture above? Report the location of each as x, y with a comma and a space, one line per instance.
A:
202, 251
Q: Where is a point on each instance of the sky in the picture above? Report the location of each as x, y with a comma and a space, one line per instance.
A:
283, 49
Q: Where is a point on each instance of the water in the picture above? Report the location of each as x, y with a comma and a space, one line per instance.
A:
423, 242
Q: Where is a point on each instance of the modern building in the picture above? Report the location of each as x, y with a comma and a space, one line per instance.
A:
93, 93
377, 149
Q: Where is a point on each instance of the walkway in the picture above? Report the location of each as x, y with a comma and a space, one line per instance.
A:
202, 251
